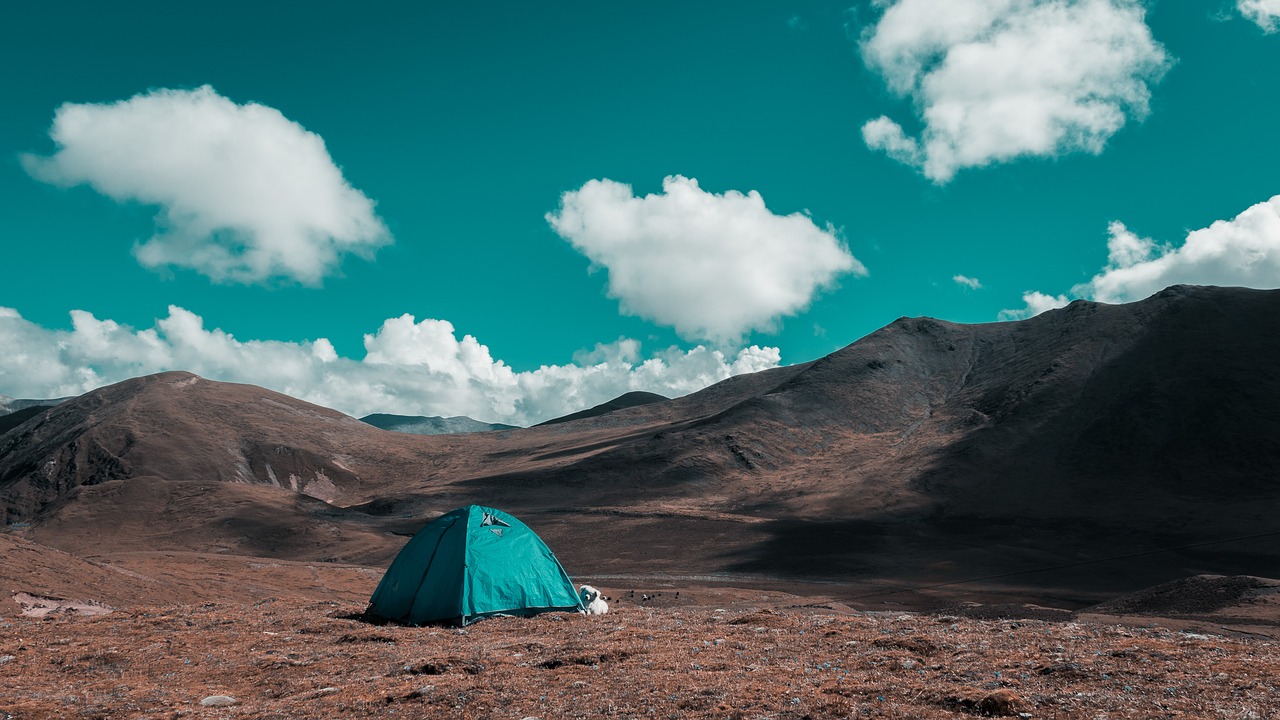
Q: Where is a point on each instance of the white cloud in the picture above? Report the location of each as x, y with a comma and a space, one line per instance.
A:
888, 137
410, 367
1243, 251
1264, 13
245, 193
1034, 303
993, 80
712, 266
971, 283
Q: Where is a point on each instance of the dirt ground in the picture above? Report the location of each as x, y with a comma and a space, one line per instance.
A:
759, 656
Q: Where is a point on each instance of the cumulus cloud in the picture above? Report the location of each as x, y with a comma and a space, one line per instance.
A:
1243, 251
1034, 303
994, 80
965, 281
1264, 13
712, 266
410, 367
245, 194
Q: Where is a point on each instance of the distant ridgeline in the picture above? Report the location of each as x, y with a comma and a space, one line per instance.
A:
631, 399
419, 425
14, 412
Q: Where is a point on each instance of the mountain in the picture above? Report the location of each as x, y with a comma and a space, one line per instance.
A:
1090, 450
14, 412
17, 417
420, 425
1086, 433
180, 427
11, 405
626, 400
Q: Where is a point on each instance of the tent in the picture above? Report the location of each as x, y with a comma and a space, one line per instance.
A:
469, 564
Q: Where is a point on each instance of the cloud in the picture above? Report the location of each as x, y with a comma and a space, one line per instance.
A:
888, 137
245, 194
971, 283
1034, 303
1264, 13
712, 266
1243, 251
993, 80
410, 367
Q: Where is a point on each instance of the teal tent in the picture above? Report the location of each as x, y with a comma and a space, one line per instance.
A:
472, 563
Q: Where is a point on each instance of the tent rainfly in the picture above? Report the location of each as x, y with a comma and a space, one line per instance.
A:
469, 564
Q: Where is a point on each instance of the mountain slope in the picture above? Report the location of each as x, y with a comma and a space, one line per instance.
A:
12, 405
1167, 399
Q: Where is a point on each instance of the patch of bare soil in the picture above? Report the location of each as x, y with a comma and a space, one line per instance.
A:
41, 606
306, 659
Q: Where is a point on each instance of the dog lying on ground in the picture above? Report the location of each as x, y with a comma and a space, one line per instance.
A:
592, 602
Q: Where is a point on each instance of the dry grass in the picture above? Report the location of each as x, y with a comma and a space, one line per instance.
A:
286, 659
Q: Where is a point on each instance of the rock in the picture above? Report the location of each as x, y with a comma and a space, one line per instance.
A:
1001, 702
1072, 670
428, 668
218, 701
423, 691
318, 693
5, 659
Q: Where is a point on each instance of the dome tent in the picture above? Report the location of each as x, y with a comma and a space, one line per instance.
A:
471, 563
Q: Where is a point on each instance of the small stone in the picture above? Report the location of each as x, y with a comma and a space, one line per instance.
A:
6, 659
218, 701
423, 691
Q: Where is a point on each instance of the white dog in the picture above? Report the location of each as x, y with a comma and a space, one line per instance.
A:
592, 603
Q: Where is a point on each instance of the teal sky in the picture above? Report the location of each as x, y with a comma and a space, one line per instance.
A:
466, 124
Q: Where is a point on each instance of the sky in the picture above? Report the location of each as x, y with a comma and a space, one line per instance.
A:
513, 211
